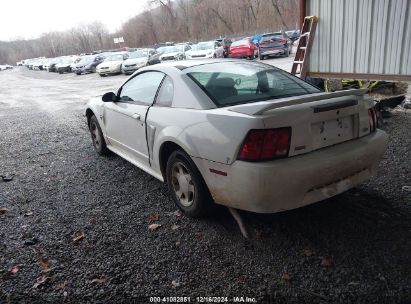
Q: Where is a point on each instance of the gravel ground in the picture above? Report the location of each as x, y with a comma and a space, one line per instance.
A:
76, 229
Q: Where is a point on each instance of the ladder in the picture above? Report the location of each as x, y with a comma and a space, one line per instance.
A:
304, 46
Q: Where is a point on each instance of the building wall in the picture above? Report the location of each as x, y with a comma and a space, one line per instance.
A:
368, 37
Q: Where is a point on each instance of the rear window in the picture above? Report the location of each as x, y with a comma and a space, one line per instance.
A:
240, 42
268, 38
233, 83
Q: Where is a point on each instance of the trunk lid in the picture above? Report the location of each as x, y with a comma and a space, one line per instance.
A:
317, 120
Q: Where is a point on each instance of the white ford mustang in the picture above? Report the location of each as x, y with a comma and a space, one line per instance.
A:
238, 133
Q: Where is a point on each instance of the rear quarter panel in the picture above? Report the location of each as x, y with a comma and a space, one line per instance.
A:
215, 134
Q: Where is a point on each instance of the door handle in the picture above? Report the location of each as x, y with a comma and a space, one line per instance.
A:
136, 116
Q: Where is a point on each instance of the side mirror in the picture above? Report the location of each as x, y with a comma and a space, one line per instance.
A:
109, 97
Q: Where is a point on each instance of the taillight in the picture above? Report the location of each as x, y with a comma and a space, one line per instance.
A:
263, 145
282, 41
372, 116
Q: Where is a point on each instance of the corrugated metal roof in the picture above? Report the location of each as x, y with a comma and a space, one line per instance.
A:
369, 37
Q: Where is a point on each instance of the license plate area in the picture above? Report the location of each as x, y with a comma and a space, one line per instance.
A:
333, 131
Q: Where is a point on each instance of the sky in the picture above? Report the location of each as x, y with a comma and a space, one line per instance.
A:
30, 18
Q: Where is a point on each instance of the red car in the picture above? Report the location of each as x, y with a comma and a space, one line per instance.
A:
243, 49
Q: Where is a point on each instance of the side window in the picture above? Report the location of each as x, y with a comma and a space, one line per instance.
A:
142, 88
166, 94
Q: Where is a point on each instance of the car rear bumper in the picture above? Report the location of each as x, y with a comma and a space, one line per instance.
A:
242, 54
272, 51
290, 183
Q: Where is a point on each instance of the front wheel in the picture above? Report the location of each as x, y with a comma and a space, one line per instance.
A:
97, 137
186, 185
287, 52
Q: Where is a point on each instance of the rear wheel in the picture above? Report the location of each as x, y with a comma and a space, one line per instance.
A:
93, 69
97, 137
186, 185
262, 57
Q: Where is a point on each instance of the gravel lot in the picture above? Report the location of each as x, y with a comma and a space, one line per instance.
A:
76, 230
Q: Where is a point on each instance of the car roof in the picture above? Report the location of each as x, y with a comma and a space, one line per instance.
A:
270, 34
184, 64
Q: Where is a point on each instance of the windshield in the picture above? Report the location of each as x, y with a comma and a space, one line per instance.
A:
205, 46
138, 54
85, 59
233, 83
116, 57
171, 49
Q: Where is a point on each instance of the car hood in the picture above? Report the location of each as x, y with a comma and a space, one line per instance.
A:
170, 54
81, 64
135, 60
63, 65
109, 64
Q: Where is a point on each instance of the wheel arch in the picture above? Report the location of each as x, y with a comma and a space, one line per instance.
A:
89, 113
166, 149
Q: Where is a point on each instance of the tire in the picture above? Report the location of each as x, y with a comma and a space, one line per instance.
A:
78, 73
97, 137
181, 172
262, 57
61, 72
287, 53
102, 75
93, 69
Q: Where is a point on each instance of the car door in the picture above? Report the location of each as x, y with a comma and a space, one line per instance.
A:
125, 119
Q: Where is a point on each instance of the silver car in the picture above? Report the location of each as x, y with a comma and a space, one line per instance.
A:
240, 134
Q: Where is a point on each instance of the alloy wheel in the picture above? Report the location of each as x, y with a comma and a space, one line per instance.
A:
183, 185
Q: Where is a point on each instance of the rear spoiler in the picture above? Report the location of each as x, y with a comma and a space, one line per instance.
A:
259, 108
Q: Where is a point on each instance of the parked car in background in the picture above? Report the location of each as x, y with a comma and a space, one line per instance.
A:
4, 67
293, 35
53, 63
238, 134
46, 64
161, 44
87, 64
139, 59
36, 64
273, 44
112, 64
65, 65
174, 52
207, 49
243, 48
226, 43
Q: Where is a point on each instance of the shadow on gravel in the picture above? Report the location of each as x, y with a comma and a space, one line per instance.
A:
352, 215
